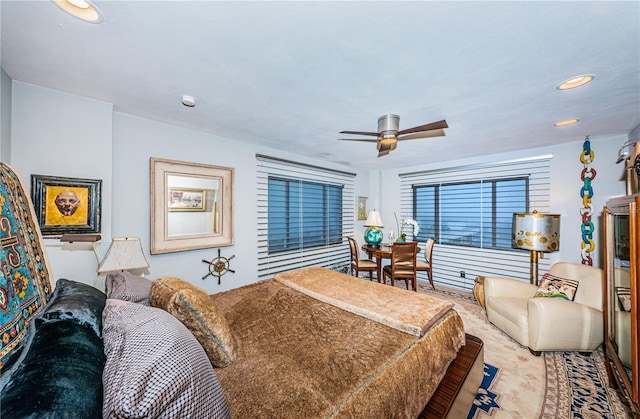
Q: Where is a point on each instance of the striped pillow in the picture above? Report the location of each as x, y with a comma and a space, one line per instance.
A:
155, 367
555, 287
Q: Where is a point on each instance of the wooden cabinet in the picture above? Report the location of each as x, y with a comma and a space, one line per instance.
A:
621, 291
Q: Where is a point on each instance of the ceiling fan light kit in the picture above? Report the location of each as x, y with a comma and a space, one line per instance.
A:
389, 133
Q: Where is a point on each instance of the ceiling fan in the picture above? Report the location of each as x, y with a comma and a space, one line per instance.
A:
388, 134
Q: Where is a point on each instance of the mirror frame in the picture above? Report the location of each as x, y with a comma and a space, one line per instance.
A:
160, 169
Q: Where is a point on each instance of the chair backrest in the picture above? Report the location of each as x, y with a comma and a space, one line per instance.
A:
590, 280
428, 249
404, 255
353, 247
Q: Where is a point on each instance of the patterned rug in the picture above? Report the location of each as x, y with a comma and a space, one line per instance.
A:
520, 385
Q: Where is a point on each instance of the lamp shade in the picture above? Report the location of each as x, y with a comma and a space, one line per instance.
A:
120, 254
536, 231
374, 220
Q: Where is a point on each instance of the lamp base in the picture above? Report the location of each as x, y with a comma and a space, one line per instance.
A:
533, 260
373, 236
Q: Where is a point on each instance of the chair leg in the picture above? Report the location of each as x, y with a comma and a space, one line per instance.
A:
431, 279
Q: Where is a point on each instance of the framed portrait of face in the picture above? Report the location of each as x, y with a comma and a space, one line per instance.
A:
66, 205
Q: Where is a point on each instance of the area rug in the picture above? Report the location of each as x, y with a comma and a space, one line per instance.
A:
518, 384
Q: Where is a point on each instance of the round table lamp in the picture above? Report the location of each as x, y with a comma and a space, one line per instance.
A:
373, 234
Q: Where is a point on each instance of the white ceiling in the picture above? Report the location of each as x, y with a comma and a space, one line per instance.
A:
292, 75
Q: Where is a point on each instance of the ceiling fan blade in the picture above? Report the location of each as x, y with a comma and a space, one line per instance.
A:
423, 134
368, 140
427, 127
375, 134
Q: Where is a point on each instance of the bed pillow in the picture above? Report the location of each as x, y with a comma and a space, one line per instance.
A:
155, 367
128, 287
59, 376
199, 313
555, 287
75, 301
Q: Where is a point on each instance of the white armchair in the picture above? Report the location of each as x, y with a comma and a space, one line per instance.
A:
549, 324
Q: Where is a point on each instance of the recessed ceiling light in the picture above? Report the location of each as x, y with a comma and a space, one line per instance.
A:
81, 9
566, 122
574, 82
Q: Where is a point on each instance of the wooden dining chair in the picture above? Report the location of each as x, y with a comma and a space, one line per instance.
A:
426, 264
358, 265
403, 264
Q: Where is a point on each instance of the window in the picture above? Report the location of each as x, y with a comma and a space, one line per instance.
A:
469, 211
476, 214
303, 214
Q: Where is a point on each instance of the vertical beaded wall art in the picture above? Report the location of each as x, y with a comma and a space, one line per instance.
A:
586, 192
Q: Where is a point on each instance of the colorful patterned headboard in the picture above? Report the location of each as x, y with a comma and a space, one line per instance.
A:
25, 284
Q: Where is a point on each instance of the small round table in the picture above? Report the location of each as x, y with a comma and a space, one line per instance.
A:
478, 290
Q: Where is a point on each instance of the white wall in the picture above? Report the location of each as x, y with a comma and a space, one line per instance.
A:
137, 139
566, 168
59, 134
5, 117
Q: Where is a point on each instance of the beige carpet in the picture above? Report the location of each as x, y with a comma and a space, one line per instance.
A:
534, 387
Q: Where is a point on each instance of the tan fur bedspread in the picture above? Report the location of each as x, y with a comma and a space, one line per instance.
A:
298, 357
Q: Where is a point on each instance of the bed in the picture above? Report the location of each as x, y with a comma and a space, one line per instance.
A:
306, 343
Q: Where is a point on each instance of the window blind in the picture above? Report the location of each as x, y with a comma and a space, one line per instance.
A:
305, 213
467, 245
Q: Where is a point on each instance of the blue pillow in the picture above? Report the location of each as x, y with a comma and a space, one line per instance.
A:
60, 375
78, 302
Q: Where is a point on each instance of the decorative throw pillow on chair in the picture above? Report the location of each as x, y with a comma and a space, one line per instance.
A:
555, 287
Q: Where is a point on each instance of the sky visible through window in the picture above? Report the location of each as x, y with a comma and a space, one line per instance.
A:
477, 214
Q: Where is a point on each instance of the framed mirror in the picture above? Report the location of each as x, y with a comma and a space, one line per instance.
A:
191, 206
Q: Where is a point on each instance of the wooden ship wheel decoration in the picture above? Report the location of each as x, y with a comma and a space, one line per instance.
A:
218, 266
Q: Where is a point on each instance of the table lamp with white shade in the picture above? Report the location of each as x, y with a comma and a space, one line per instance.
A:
119, 254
